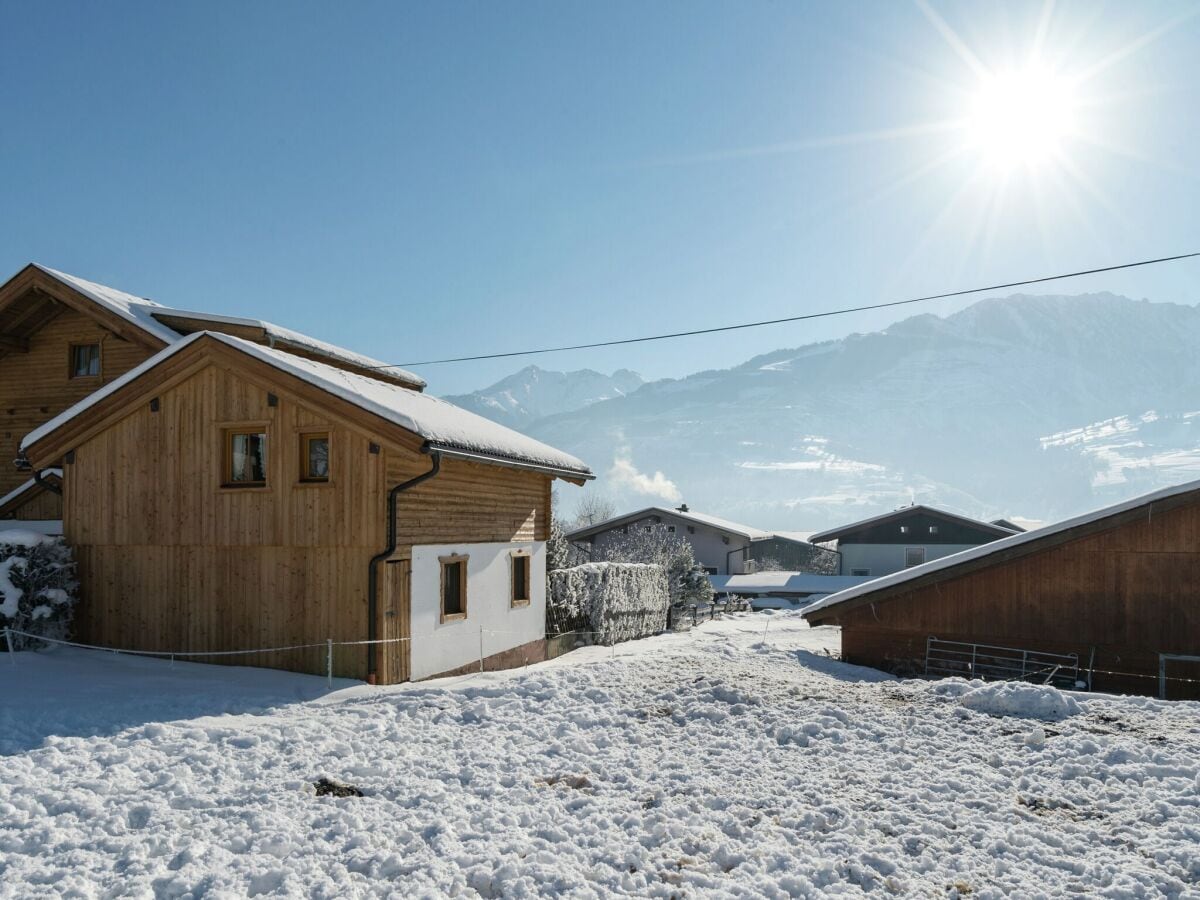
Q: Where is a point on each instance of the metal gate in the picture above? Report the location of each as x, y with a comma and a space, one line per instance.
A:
991, 663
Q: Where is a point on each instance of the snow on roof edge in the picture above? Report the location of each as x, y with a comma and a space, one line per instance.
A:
333, 381
280, 332
752, 534
984, 550
116, 301
26, 486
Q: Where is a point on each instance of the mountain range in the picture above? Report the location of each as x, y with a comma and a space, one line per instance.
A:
533, 393
1027, 407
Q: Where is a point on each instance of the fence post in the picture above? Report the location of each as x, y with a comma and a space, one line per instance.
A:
329, 663
480, 648
12, 655
765, 627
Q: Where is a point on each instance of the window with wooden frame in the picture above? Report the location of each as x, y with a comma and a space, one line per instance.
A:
245, 457
913, 556
84, 361
314, 457
454, 587
520, 563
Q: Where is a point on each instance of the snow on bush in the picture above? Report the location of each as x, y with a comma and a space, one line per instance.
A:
687, 581
37, 586
618, 601
1019, 698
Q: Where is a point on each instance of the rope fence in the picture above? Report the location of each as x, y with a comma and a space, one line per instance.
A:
328, 644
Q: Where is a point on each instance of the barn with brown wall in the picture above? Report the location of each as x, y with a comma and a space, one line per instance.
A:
1118, 588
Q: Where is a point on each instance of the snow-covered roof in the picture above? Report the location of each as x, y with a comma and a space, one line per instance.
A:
137, 310
725, 525
832, 534
147, 315
443, 425
784, 582
26, 487
297, 339
983, 551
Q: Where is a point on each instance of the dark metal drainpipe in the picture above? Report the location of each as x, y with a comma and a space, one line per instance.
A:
52, 488
373, 566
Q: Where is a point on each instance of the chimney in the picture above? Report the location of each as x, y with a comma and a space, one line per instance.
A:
682, 508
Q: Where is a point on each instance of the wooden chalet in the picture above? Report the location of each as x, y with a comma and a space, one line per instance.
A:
226, 495
62, 338
1111, 598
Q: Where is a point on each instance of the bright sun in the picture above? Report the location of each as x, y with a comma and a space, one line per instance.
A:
1021, 117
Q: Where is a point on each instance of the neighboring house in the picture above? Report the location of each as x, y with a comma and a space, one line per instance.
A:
226, 495
788, 585
720, 546
1115, 591
905, 538
62, 338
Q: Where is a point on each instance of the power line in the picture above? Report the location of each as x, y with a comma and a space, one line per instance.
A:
817, 315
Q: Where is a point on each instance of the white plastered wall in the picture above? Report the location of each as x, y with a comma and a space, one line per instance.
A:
441, 646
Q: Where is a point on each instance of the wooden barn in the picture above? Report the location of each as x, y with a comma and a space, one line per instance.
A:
227, 495
1110, 599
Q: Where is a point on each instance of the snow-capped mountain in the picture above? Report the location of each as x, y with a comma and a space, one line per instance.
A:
534, 393
1034, 407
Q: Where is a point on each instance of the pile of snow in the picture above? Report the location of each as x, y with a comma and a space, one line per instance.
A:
37, 586
1020, 699
717, 763
618, 601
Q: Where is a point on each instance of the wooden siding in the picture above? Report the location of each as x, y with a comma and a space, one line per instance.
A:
1127, 594
35, 387
469, 503
169, 560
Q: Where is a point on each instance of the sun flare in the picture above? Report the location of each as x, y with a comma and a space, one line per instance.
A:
1021, 117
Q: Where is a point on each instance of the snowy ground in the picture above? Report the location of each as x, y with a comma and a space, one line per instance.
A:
696, 764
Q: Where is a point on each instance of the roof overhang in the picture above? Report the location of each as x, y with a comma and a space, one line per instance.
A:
1013, 547
49, 443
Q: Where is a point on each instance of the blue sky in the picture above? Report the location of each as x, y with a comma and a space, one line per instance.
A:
426, 180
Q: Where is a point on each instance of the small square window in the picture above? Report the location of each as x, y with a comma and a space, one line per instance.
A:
245, 458
904, 529
913, 556
521, 568
670, 529
454, 587
933, 529
85, 360
314, 457
647, 528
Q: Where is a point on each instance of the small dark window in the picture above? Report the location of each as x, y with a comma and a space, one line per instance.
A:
647, 528
691, 529
85, 360
520, 578
913, 556
246, 458
670, 529
454, 587
314, 457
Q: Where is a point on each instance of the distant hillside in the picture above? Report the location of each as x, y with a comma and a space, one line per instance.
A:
534, 393
1037, 407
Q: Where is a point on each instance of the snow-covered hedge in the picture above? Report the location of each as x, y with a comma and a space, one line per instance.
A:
37, 585
619, 601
